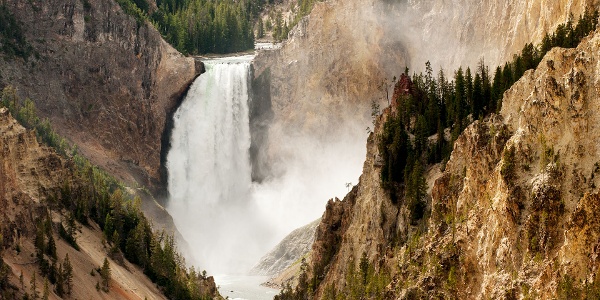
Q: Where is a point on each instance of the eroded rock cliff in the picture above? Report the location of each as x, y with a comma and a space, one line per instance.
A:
106, 82
512, 215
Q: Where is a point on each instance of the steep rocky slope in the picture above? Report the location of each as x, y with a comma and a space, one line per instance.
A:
105, 81
30, 174
512, 215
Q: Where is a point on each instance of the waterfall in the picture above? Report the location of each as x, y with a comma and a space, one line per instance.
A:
228, 221
209, 168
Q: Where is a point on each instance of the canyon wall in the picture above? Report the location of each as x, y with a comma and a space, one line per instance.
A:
343, 56
107, 82
513, 213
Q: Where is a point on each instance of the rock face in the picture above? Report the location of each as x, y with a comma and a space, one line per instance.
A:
332, 62
514, 213
27, 170
290, 250
106, 82
453, 33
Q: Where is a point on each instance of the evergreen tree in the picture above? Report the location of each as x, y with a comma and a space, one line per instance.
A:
108, 227
105, 274
33, 285
507, 77
51, 247
67, 274
496, 90
478, 99
60, 281
260, 30
469, 87
393, 148
421, 133
46, 292
364, 268
136, 247
415, 193
40, 243
269, 25
457, 110
486, 87
115, 242
546, 44
12, 40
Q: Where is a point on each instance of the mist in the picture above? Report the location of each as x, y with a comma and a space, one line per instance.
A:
308, 172
229, 221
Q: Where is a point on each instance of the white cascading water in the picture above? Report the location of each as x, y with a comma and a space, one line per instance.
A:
209, 167
228, 221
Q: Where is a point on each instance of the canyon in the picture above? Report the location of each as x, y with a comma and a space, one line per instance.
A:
111, 85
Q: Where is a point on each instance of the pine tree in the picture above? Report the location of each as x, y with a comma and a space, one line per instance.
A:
60, 281
478, 99
67, 274
278, 28
115, 241
496, 90
260, 30
469, 91
136, 245
421, 134
51, 247
40, 243
507, 77
486, 87
105, 274
108, 226
546, 44
364, 267
33, 285
415, 192
71, 226
46, 293
460, 98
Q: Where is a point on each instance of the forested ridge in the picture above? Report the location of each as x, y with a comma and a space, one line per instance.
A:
90, 196
216, 26
207, 26
426, 115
